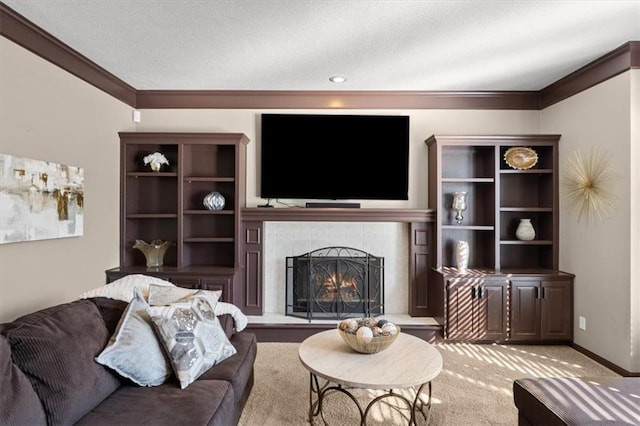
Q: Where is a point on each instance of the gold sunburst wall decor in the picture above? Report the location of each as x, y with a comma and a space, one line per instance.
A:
587, 184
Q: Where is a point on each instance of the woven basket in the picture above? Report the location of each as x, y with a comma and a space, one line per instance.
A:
377, 344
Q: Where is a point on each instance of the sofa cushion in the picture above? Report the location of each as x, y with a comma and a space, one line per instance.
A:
578, 401
192, 336
133, 350
208, 402
238, 368
19, 404
55, 348
111, 311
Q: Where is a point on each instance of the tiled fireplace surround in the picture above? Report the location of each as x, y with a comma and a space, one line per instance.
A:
388, 240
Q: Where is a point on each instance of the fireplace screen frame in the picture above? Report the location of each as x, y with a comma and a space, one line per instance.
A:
338, 267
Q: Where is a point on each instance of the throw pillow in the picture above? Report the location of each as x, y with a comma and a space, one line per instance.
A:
163, 295
133, 350
192, 337
122, 289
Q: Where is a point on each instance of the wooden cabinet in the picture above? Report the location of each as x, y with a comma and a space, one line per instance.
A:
476, 309
168, 205
539, 296
542, 309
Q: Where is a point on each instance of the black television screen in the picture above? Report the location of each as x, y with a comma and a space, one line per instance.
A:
335, 157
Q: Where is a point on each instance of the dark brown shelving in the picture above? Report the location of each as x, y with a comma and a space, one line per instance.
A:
498, 197
168, 205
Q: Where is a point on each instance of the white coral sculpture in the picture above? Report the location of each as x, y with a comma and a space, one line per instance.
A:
156, 159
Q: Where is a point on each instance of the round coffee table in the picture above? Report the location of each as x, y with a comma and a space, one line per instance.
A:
409, 362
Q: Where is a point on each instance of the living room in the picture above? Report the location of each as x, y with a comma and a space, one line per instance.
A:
71, 114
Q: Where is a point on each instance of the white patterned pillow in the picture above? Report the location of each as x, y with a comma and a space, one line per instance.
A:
164, 295
192, 337
122, 289
134, 351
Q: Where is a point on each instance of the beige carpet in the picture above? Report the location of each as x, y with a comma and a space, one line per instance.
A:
474, 388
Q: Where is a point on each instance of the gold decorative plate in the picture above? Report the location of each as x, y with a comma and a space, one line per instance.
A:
521, 158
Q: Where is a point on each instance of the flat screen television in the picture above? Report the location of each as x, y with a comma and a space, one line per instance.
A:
334, 157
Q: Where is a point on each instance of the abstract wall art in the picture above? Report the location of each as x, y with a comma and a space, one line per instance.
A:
39, 200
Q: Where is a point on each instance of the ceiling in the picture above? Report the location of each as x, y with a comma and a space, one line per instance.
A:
298, 44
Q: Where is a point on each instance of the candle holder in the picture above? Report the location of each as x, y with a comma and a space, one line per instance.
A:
459, 205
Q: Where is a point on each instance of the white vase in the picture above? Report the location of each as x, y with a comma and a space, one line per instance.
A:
462, 256
525, 231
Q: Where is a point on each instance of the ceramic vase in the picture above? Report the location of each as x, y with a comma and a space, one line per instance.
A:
525, 231
462, 256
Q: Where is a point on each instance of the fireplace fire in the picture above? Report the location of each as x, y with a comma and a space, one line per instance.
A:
335, 283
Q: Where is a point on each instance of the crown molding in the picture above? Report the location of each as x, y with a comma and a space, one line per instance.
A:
26, 34
293, 99
617, 61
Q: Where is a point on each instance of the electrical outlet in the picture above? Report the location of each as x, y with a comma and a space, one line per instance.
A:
137, 116
582, 323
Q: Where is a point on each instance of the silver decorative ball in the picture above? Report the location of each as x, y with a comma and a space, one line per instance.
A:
214, 201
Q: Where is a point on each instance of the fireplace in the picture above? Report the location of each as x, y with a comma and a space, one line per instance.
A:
334, 283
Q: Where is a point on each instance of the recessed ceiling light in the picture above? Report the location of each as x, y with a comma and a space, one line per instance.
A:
337, 79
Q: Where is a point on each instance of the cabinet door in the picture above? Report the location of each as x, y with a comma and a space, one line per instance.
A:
223, 284
461, 318
525, 310
492, 317
556, 310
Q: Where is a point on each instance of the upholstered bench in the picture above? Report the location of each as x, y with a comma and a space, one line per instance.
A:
578, 401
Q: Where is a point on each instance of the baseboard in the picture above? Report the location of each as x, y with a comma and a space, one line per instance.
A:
611, 366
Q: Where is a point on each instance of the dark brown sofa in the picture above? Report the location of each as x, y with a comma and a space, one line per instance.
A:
586, 401
50, 377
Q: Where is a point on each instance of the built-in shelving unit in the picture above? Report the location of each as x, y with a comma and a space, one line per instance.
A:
503, 270
168, 205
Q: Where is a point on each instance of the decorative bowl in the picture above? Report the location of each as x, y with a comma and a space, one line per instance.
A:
376, 344
521, 158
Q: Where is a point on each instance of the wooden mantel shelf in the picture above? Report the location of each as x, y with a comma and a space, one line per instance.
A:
302, 214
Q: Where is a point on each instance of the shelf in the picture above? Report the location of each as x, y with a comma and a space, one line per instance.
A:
469, 227
498, 198
527, 243
527, 209
528, 171
168, 205
469, 180
208, 179
208, 212
152, 216
152, 174
208, 240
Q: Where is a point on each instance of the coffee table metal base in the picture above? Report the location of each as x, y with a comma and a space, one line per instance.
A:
320, 392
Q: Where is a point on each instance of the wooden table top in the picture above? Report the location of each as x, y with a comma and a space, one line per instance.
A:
409, 361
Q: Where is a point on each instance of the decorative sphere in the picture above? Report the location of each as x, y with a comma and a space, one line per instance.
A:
214, 201
390, 328
364, 335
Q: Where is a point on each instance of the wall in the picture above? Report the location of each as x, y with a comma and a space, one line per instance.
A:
603, 255
48, 114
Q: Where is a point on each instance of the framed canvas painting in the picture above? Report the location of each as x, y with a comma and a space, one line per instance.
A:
39, 200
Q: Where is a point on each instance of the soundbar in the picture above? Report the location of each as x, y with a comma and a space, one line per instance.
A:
333, 205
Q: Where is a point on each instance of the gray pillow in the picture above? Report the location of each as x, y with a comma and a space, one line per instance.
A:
133, 350
192, 337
